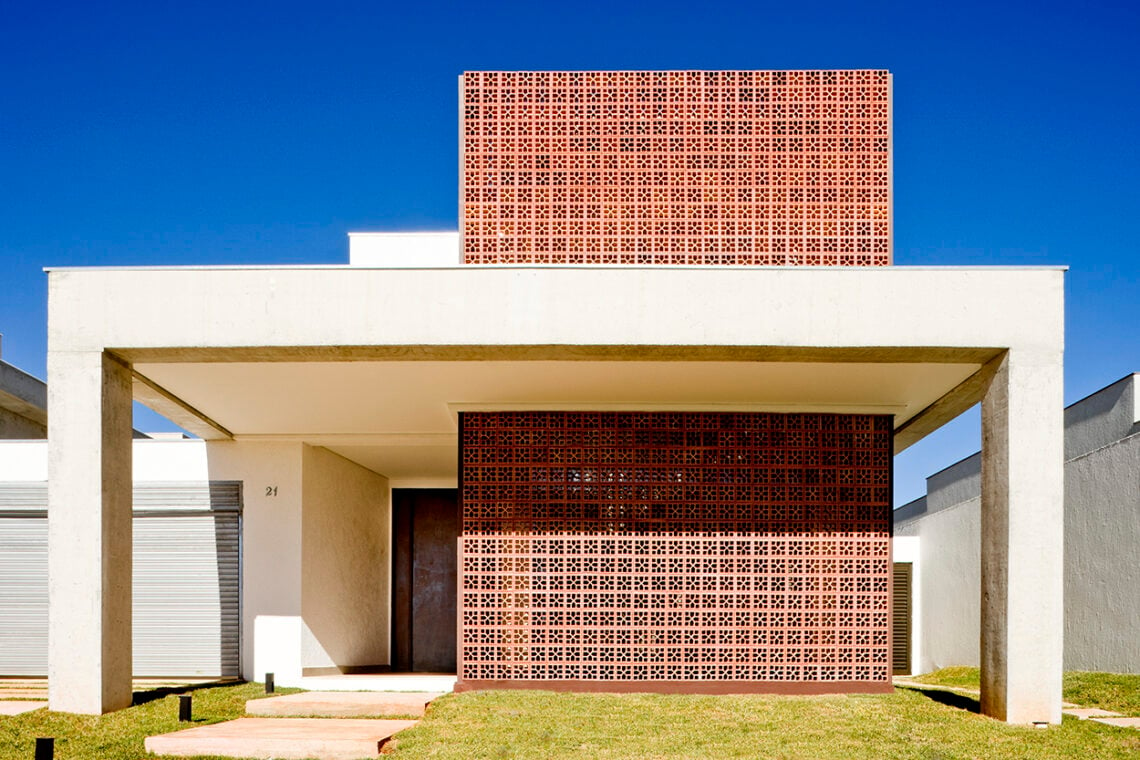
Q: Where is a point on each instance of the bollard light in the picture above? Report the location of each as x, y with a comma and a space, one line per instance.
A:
184, 708
45, 748
268, 683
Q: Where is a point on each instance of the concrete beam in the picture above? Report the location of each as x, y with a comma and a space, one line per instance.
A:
680, 307
958, 400
89, 532
1022, 611
563, 353
156, 398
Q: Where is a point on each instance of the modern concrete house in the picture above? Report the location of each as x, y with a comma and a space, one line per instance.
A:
1102, 531
641, 409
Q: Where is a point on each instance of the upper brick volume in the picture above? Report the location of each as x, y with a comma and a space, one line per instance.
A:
676, 167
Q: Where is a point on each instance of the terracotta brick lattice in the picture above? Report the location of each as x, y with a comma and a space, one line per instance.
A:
630, 546
676, 167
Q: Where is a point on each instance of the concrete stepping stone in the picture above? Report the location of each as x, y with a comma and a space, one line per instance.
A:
1119, 722
1084, 713
283, 738
19, 706
342, 704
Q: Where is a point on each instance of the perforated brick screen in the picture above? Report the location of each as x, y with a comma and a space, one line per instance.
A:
675, 547
676, 167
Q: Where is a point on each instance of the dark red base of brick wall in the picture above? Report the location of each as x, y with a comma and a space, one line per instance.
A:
688, 687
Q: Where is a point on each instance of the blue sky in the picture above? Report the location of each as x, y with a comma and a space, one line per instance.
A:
209, 133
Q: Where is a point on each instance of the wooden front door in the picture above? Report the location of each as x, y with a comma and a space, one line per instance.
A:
425, 533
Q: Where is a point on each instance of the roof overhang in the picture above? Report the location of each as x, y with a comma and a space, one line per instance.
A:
375, 364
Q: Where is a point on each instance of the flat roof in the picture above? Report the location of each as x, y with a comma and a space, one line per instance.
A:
464, 267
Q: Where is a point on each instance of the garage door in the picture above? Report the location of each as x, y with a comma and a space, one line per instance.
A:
187, 551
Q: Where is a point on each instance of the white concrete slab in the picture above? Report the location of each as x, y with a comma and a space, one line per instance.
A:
434, 682
1084, 713
342, 704
1119, 722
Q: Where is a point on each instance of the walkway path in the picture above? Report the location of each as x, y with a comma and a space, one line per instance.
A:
323, 725
322, 738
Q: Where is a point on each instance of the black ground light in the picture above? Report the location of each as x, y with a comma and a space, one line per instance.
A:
184, 708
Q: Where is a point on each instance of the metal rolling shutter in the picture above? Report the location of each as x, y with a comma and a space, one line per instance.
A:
187, 575
23, 579
900, 619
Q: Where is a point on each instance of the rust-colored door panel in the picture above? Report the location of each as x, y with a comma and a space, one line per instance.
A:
425, 525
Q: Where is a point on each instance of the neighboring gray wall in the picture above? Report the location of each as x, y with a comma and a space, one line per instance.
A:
23, 404
17, 427
958, 483
950, 552
1102, 559
345, 519
1106, 416
1102, 542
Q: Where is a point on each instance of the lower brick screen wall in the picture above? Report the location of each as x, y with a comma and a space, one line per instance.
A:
670, 551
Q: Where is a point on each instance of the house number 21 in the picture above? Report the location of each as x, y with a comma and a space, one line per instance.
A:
271, 490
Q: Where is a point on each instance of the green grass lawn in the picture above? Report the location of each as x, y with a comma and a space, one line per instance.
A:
532, 724
905, 724
1108, 691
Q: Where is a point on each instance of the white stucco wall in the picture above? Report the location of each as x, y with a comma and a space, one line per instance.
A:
909, 549
345, 555
1102, 559
404, 249
185, 459
271, 552
948, 582
23, 461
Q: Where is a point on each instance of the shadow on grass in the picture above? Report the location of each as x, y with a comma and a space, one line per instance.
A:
948, 698
152, 695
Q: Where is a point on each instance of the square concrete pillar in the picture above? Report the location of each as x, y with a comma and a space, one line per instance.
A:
1022, 539
89, 532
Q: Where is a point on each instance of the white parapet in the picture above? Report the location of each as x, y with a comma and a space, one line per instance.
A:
404, 249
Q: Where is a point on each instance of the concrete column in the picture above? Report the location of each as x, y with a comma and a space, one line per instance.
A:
1022, 540
89, 532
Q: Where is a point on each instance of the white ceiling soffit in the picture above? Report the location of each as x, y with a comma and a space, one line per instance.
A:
398, 418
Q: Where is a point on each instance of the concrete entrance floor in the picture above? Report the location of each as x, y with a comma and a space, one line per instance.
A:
342, 704
19, 706
321, 738
426, 682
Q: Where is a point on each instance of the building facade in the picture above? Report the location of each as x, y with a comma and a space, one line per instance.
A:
660, 372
